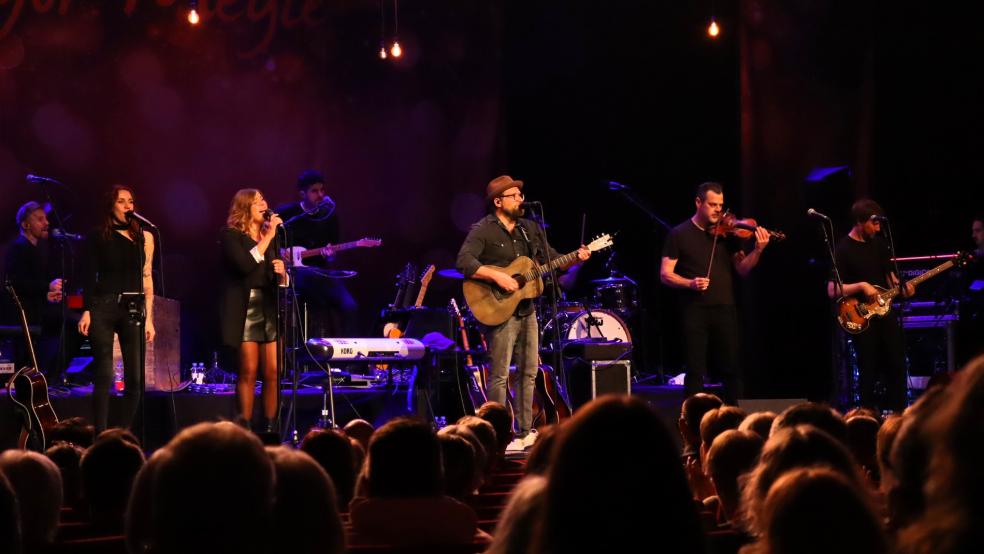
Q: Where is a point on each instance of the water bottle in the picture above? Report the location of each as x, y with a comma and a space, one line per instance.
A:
118, 384
200, 375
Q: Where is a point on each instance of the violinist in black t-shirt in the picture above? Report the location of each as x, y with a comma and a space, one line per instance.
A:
864, 261
704, 267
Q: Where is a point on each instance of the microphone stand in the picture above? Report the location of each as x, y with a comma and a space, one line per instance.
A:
62, 252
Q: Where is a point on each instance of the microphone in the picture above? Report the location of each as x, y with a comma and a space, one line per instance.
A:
877, 218
39, 180
615, 185
534, 202
141, 219
267, 214
59, 234
813, 213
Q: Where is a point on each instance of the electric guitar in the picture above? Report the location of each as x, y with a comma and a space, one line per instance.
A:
475, 386
492, 306
28, 389
854, 315
297, 254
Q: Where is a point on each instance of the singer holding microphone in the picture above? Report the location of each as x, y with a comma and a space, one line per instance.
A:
251, 272
119, 257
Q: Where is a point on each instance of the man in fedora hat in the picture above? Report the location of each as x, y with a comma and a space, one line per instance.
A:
496, 240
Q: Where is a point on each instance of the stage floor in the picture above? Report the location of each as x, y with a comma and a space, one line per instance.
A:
166, 413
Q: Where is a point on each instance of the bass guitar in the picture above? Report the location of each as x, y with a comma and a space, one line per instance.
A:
28, 389
855, 315
492, 306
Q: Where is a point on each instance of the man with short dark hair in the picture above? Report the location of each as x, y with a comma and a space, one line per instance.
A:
313, 223
703, 266
864, 262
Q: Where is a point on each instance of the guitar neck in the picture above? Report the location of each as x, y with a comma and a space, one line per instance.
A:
922, 277
420, 295
541, 270
334, 248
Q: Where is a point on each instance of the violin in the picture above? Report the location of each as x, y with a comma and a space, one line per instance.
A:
741, 228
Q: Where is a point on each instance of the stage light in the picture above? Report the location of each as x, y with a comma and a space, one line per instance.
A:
396, 51
713, 30
382, 52
193, 17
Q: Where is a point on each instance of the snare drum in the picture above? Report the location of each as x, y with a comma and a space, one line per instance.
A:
606, 325
617, 296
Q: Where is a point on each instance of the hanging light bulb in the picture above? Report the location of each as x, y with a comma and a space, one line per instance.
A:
396, 51
382, 52
713, 30
193, 12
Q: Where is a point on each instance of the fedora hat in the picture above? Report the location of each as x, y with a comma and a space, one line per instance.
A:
499, 185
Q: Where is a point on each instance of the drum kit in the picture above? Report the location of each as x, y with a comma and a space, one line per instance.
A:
602, 317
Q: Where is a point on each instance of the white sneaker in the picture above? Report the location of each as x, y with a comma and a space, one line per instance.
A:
516, 446
529, 439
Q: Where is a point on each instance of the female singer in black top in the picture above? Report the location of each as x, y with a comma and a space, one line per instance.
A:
119, 259
248, 302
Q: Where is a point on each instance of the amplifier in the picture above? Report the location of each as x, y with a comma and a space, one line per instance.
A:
585, 382
366, 349
596, 350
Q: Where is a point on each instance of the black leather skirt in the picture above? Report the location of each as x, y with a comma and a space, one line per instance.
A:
258, 327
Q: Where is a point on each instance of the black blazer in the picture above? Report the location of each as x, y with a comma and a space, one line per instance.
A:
240, 273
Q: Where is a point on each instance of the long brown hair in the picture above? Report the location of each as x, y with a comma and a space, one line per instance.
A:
239, 209
133, 228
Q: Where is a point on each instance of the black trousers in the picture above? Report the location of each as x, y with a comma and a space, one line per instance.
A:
881, 353
711, 333
109, 318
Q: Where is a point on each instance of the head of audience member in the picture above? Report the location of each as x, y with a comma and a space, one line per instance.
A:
716, 422
862, 440
691, 413
821, 416
787, 449
109, 468
910, 456
220, 472
954, 488
37, 484
68, 458
461, 473
10, 532
863, 411
358, 454
305, 512
478, 447
758, 422
333, 451
501, 419
75, 430
514, 532
601, 458
733, 454
486, 434
538, 459
404, 446
119, 433
360, 430
818, 510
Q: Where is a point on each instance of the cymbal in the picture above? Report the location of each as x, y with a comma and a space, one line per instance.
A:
451, 273
613, 280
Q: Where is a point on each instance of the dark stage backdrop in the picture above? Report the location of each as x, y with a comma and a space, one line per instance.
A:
565, 95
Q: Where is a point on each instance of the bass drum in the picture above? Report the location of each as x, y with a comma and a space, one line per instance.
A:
606, 325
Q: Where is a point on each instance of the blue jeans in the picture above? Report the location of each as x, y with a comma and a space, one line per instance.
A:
518, 336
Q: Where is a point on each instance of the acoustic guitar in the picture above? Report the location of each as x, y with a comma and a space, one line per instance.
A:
854, 315
28, 389
493, 306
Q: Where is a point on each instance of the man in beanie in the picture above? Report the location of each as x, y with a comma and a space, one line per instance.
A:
313, 223
495, 241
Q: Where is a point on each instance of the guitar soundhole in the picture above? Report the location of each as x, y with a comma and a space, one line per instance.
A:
520, 280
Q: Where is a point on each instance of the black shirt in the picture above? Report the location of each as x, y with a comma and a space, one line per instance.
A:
864, 261
310, 230
489, 243
114, 265
26, 266
691, 247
